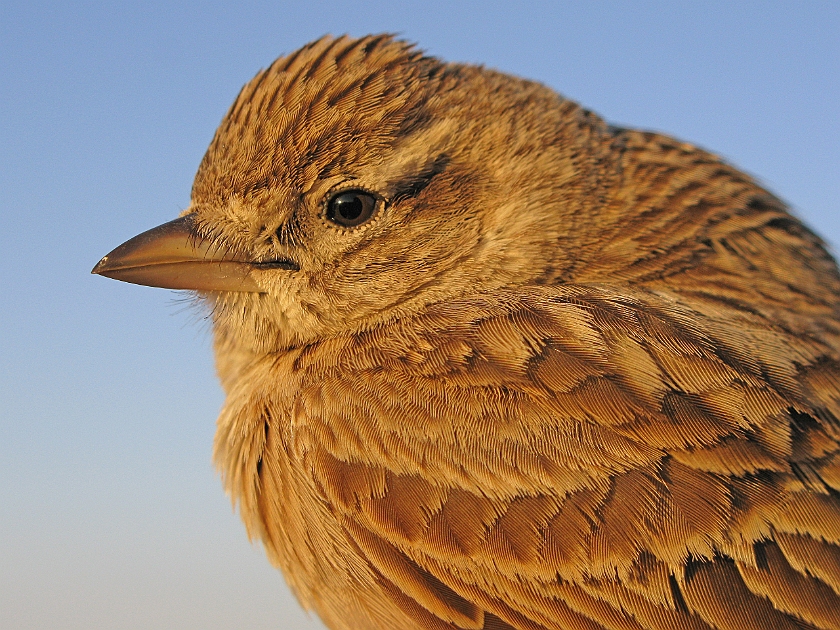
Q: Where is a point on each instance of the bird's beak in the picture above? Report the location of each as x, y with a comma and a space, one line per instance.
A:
174, 256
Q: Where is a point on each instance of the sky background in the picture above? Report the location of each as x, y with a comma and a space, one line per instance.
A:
111, 515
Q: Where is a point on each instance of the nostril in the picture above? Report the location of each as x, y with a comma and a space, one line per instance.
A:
288, 233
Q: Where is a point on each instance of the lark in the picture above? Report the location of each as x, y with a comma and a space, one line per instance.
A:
492, 363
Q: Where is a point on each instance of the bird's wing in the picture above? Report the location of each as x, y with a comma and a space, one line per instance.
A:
568, 458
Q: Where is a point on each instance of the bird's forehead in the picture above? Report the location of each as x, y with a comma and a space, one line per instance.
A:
333, 104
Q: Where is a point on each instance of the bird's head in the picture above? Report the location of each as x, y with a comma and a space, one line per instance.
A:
357, 181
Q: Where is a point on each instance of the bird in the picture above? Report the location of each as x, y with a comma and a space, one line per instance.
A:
493, 363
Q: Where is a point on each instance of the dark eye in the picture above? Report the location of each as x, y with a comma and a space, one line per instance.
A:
351, 207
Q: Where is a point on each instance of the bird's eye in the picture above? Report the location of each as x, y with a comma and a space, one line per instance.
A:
350, 208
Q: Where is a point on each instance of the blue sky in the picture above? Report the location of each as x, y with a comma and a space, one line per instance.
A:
111, 515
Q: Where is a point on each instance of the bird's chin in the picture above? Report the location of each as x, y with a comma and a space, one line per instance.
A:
259, 323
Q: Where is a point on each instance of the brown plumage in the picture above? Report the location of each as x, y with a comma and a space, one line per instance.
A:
560, 375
